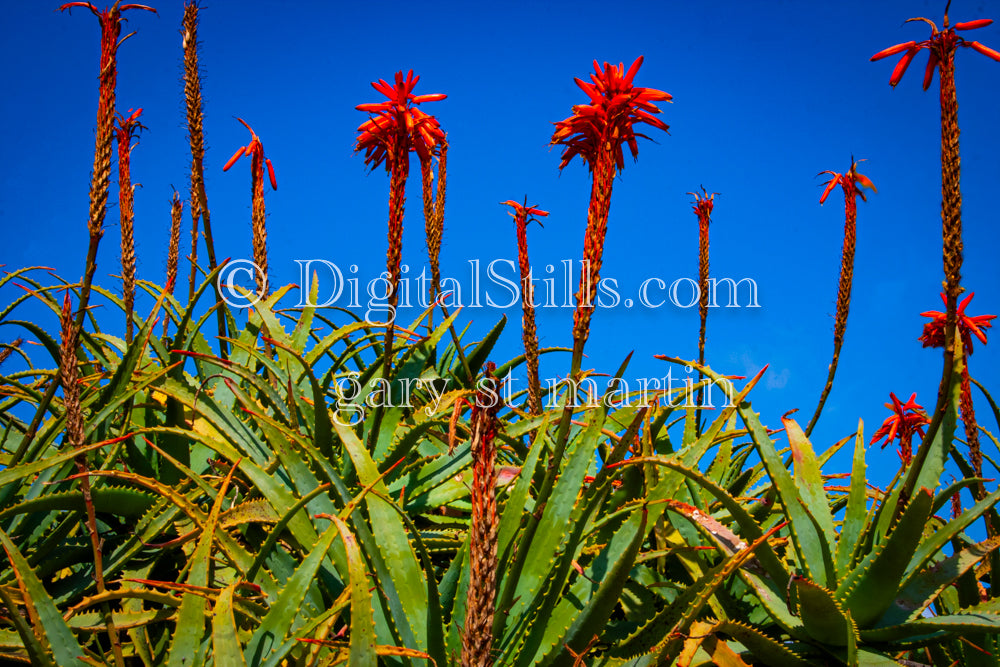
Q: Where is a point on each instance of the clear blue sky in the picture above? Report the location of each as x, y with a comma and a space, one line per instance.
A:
766, 94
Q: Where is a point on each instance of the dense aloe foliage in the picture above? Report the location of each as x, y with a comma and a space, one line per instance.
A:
183, 483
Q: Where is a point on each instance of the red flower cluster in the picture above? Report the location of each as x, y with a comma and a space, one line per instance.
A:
940, 45
906, 420
525, 211
396, 125
849, 181
704, 203
933, 335
615, 106
255, 149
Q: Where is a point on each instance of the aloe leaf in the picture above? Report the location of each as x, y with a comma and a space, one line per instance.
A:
185, 649
935, 542
406, 590
553, 527
621, 556
121, 501
270, 636
59, 638
516, 504
809, 542
873, 584
762, 646
957, 624
857, 505
926, 585
362, 626
823, 617
809, 479
25, 638
660, 631
477, 358
226, 650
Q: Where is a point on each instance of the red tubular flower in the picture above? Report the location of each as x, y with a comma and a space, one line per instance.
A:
906, 420
942, 45
597, 133
615, 107
396, 125
255, 149
968, 326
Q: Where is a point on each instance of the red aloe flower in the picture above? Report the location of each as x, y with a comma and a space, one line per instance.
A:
606, 124
523, 214
906, 420
394, 128
942, 45
968, 326
126, 130
597, 133
852, 183
255, 149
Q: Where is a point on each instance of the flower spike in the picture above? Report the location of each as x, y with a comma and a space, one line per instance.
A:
615, 107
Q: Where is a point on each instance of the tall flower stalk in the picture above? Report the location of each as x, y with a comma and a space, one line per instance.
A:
704, 204
394, 128
127, 128
196, 137
597, 132
434, 212
110, 22
477, 633
255, 149
852, 183
173, 249
523, 214
942, 46
968, 326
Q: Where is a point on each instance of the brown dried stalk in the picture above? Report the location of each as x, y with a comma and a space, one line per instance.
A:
126, 130
850, 183
69, 379
477, 633
173, 250
523, 214
196, 135
971, 429
434, 213
6, 352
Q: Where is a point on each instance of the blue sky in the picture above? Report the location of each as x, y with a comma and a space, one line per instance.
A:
766, 94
